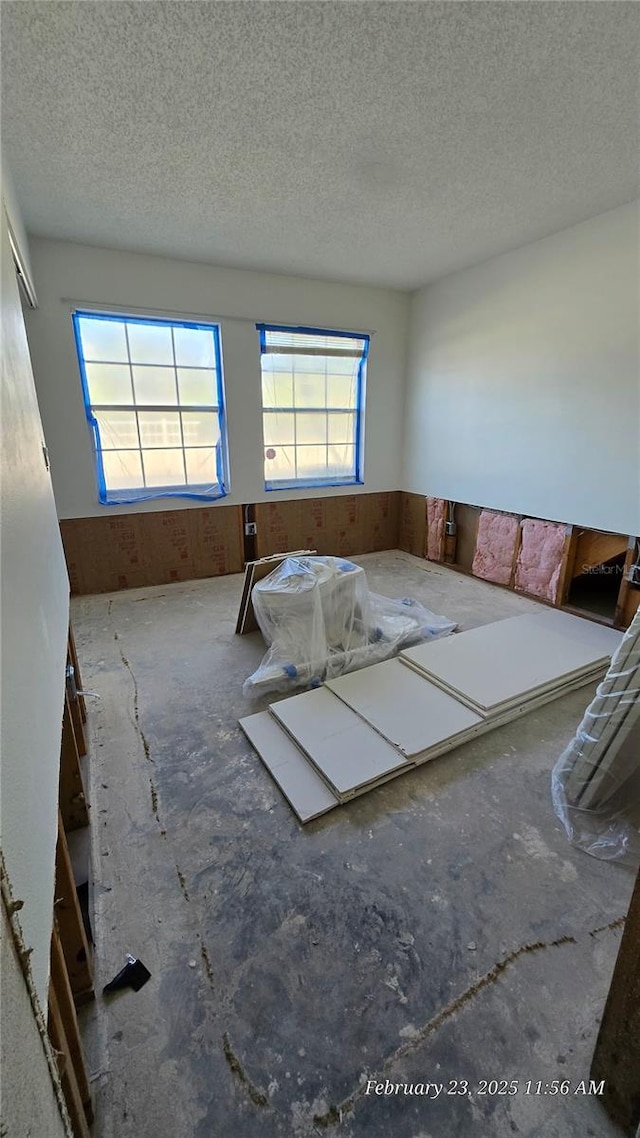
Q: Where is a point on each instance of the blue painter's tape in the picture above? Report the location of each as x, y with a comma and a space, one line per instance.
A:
131, 496
357, 478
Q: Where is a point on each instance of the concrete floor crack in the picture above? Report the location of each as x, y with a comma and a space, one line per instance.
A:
206, 961
136, 724
617, 924
336, 1113
183, 883
255, 1094
136, 711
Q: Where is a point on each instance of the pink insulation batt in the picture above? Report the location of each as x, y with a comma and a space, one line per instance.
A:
436, 511
495, 547
540, 558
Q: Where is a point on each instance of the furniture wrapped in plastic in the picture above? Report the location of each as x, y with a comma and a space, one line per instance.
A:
595, 783
319, 619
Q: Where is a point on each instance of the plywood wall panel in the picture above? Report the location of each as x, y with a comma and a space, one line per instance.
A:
345, 525
127, 551
412, 531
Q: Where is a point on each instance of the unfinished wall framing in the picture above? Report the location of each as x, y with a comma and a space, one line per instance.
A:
412, 524
531, 555
496, 547
534, 556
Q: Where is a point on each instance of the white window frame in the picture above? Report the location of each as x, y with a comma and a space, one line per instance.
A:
356, 476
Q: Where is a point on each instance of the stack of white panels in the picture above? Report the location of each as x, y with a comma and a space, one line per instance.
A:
302, 786
326, 746
411, 713
499, 667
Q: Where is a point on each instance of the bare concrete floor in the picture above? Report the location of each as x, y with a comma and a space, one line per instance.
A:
439, 928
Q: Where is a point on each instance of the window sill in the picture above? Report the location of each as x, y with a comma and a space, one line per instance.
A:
131, 497
313, 484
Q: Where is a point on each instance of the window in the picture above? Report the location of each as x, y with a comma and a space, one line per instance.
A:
153, 398
312, 403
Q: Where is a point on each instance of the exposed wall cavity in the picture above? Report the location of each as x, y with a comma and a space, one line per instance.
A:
495, 547
540, 559
436, 510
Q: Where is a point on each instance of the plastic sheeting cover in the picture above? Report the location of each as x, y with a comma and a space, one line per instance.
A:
595, 784
320, 620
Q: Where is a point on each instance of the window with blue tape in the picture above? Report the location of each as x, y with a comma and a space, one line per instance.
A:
312, 406
154, 401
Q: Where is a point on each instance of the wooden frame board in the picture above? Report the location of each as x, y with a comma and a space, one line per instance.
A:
616, 1059
59, 980
71, 795
75, 945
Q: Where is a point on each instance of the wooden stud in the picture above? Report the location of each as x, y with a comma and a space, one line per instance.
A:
76, 714
516, 551
467, 518
625, 606
567, 563
66, 1069
66, 1006
75, 946
73, 804
631, 606
617, 1055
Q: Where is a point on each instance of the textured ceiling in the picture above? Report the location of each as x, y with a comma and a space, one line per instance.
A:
389, 143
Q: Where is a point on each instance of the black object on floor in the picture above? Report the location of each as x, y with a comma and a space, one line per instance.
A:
83, 901
133, 975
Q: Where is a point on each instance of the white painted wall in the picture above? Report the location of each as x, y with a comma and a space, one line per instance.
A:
35, 613
524, 380
65, 271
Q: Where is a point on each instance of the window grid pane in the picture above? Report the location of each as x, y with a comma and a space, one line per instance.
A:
175, 373
311, 411
164, 467
136, 397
